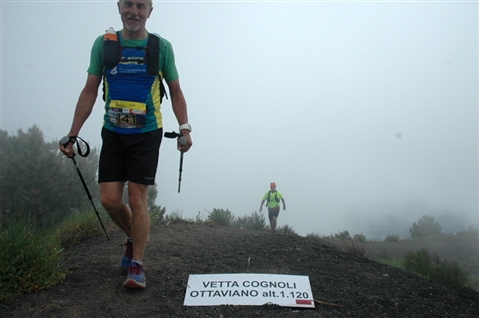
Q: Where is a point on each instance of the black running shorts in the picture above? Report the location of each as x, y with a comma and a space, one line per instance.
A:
131, 157
273, 213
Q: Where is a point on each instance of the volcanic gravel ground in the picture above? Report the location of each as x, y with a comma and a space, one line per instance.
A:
343, 285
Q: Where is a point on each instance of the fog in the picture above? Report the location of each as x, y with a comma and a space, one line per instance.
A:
365, 114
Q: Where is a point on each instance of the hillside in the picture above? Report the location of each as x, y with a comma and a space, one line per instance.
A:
362, 288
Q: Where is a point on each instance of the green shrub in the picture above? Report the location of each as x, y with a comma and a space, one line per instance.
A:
31, 260
221, 217
314, 236
255, 222
80, 226
392, 238
176, 217
398, 263
451, 273
419, 262
285, 230
199, 219
360, 237
435, 268
342, 235
471, 232
157, 215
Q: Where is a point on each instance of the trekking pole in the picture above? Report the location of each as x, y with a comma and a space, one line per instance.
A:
64, 141
182, 140
181, 170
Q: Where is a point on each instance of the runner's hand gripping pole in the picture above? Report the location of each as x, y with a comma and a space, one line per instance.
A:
182, 140
64, 141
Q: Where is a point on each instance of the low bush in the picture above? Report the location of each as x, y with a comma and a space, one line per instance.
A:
256, 222
418, 262
31, 260
157, 215
285, 230
360, 237
176, 217
392, 238
471, 232
336, 238
199, 219
314, 236
435, 268
392, 262
80, 226
341, 235
221, 217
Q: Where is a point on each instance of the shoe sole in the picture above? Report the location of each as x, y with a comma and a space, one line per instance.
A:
133, 284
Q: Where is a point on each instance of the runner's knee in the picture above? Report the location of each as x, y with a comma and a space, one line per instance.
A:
137, 195
111, 204
111, 196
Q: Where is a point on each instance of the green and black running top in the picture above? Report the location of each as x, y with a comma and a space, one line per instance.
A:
131, 93
272, 198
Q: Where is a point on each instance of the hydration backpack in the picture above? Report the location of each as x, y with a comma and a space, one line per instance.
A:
269, 197
111, 56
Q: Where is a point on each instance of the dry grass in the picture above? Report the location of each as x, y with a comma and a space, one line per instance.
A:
354, 247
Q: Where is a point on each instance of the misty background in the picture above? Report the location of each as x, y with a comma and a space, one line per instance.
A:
365, 114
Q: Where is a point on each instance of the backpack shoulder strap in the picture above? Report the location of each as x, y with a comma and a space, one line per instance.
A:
153, 60
153, 53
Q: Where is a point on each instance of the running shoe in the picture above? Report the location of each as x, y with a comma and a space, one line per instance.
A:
136, 276
126, 260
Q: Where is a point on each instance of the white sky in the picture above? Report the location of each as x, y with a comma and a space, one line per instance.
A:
359, 111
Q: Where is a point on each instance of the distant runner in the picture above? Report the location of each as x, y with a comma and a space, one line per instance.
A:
272, 198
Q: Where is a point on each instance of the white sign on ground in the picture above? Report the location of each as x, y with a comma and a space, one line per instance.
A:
249, 289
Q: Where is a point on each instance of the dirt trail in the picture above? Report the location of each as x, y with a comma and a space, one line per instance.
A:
93, 286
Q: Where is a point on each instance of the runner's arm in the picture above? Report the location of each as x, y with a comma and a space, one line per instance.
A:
83, 109
261, 205
178, 103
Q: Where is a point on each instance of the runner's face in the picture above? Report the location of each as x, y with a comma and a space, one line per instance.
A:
134, 14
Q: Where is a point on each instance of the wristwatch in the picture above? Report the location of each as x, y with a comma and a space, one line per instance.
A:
185, 126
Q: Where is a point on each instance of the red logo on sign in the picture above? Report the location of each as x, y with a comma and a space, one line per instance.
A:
303, 302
